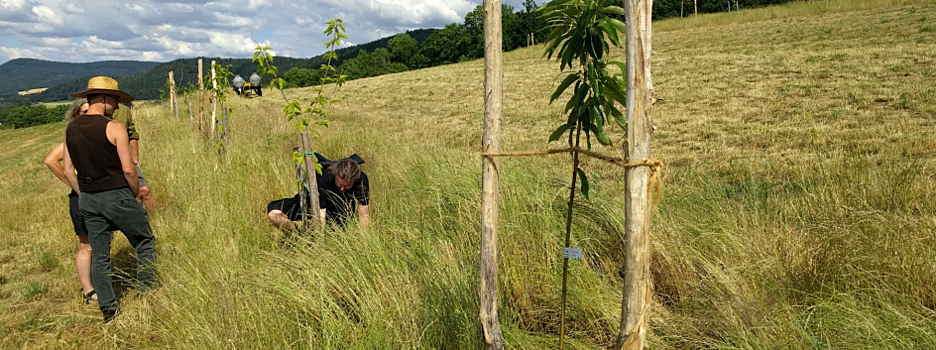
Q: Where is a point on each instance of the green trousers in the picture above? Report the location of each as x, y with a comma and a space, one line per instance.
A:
103, 213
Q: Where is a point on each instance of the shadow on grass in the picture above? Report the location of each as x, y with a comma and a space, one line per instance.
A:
124, 269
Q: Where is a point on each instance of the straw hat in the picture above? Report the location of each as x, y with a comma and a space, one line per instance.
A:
104, 85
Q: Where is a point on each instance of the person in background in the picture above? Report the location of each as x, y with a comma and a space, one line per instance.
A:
97, 151
125, 116
341, 187
54, 162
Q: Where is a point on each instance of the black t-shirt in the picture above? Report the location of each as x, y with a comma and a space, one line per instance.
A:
339, 206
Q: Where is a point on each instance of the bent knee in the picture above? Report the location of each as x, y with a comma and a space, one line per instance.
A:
84, 248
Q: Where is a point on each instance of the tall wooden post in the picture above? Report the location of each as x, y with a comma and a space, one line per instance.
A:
214, 100
173, 99
201, 96
490, 143
635, 307
309, 162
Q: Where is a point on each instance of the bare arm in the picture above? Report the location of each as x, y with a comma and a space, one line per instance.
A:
117, 134
135, 151
69, 169
54, 162
365, 216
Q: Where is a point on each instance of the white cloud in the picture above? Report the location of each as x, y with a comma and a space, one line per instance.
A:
65, 30
47, 15
71, 8
12, 52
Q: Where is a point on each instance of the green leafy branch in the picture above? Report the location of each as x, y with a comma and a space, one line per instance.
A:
221, 85
314, 113
265, 66
580, 39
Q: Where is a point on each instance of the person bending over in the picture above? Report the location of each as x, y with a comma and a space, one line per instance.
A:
342, 187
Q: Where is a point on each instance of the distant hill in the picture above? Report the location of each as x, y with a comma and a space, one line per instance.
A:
145, 84
24, 74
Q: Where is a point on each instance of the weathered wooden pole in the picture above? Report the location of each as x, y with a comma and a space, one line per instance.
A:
309, 162
201, 96
190, 111
214, 100
172, 96
635, 306
490, 143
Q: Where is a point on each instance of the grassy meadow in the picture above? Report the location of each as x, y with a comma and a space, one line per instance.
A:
796, 210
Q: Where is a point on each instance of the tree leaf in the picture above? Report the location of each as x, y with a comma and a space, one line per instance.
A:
553, 4
569, 79
620, 65
614, 10
559, 131
613, 91
585, 186
600, 135
611, 31
619, 117
618, 24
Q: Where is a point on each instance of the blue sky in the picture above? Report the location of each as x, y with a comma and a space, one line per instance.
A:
164, 30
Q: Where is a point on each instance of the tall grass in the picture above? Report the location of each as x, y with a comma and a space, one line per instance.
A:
795, 212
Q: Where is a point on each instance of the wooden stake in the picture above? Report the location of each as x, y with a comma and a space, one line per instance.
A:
214, 99
191, 113
201, 96
202, 101
309, 162
635, 306
490, 143
172, 96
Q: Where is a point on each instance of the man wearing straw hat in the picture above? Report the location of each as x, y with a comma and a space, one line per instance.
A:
98, 148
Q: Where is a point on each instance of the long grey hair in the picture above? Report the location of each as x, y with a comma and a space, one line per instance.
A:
75, 109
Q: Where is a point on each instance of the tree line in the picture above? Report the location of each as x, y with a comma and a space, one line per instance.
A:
454, 43
464, 42
15, 117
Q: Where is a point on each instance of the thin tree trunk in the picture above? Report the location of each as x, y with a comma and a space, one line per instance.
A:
635, 306
568, 238
490, 143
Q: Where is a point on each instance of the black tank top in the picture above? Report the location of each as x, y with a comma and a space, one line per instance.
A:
93, 155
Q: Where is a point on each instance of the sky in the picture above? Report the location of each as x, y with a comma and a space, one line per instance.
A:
164, 30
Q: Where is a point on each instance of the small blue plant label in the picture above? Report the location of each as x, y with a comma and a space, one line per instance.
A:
572, 253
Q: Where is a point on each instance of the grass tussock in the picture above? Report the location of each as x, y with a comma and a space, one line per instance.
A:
795, 212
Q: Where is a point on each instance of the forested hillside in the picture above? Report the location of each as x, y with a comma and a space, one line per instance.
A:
25, 73
146, 85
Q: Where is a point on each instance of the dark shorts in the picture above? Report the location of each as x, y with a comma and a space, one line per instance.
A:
75, 214
290, 206
140, 179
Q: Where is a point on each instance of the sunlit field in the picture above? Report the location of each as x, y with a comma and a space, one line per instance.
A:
796, 211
